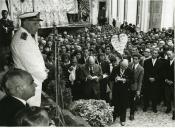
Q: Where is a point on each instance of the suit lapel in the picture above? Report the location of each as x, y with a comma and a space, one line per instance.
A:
151, 64
137, 69
172, 65
156, 63
125, 72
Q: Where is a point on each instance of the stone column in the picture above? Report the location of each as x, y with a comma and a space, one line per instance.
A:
131, 11
167, 13
114, 9
109, 4
121, 10
145, 14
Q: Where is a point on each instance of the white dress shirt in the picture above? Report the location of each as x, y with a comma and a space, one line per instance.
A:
154, 61
135, 66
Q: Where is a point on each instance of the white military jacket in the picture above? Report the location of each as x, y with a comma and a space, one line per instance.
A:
27, 56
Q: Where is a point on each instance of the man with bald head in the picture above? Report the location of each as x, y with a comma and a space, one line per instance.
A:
19, 87
122, 76
90, 75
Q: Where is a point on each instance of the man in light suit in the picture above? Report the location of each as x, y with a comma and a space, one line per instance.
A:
90, 75
26, 53
19, 87
136, 86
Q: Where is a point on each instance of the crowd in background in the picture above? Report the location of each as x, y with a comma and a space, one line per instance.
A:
77, 50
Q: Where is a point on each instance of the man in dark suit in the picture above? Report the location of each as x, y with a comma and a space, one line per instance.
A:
145, 57
136, 86
123, 78
165, 64
105, 66
74, 75
65, 66
19, 87
85, 55
169, 80
152, 81
90, 75
6, 28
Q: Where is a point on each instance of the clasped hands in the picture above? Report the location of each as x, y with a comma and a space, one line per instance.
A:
169, 82
152, 79
6, 29
118, 78
89, 77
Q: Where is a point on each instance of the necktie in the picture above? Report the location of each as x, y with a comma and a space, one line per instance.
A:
27, 105
122, 72
133, 67
91, 71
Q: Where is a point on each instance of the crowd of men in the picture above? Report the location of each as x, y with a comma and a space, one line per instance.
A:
91, 67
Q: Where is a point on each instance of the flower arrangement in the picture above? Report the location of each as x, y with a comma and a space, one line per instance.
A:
97, 113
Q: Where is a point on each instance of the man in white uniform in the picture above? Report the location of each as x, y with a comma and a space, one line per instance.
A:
26, 53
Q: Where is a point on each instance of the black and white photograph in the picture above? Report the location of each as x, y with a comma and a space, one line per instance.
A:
87, 63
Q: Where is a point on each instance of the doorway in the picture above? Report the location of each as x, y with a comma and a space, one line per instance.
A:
102, 13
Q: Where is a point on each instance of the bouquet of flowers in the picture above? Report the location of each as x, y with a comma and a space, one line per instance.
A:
96, 112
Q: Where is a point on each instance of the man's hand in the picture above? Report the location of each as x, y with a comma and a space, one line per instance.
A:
124, 80
138, 93
6, 29
118, 78
47, 70
151, 79
96, 78
105, 75
89, 77
169, 82
71, 68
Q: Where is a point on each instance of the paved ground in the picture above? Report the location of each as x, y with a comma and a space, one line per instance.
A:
149, 119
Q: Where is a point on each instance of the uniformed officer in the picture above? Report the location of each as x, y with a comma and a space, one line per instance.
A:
26, 53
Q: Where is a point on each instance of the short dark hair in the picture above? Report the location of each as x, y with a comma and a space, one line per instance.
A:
136, 55
108, 46
65, 56
171, 49
32, 116
3, 11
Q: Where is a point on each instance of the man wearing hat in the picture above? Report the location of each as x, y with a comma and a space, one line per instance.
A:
26, 53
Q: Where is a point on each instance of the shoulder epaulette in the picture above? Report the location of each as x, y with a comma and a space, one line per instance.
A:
24, 35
